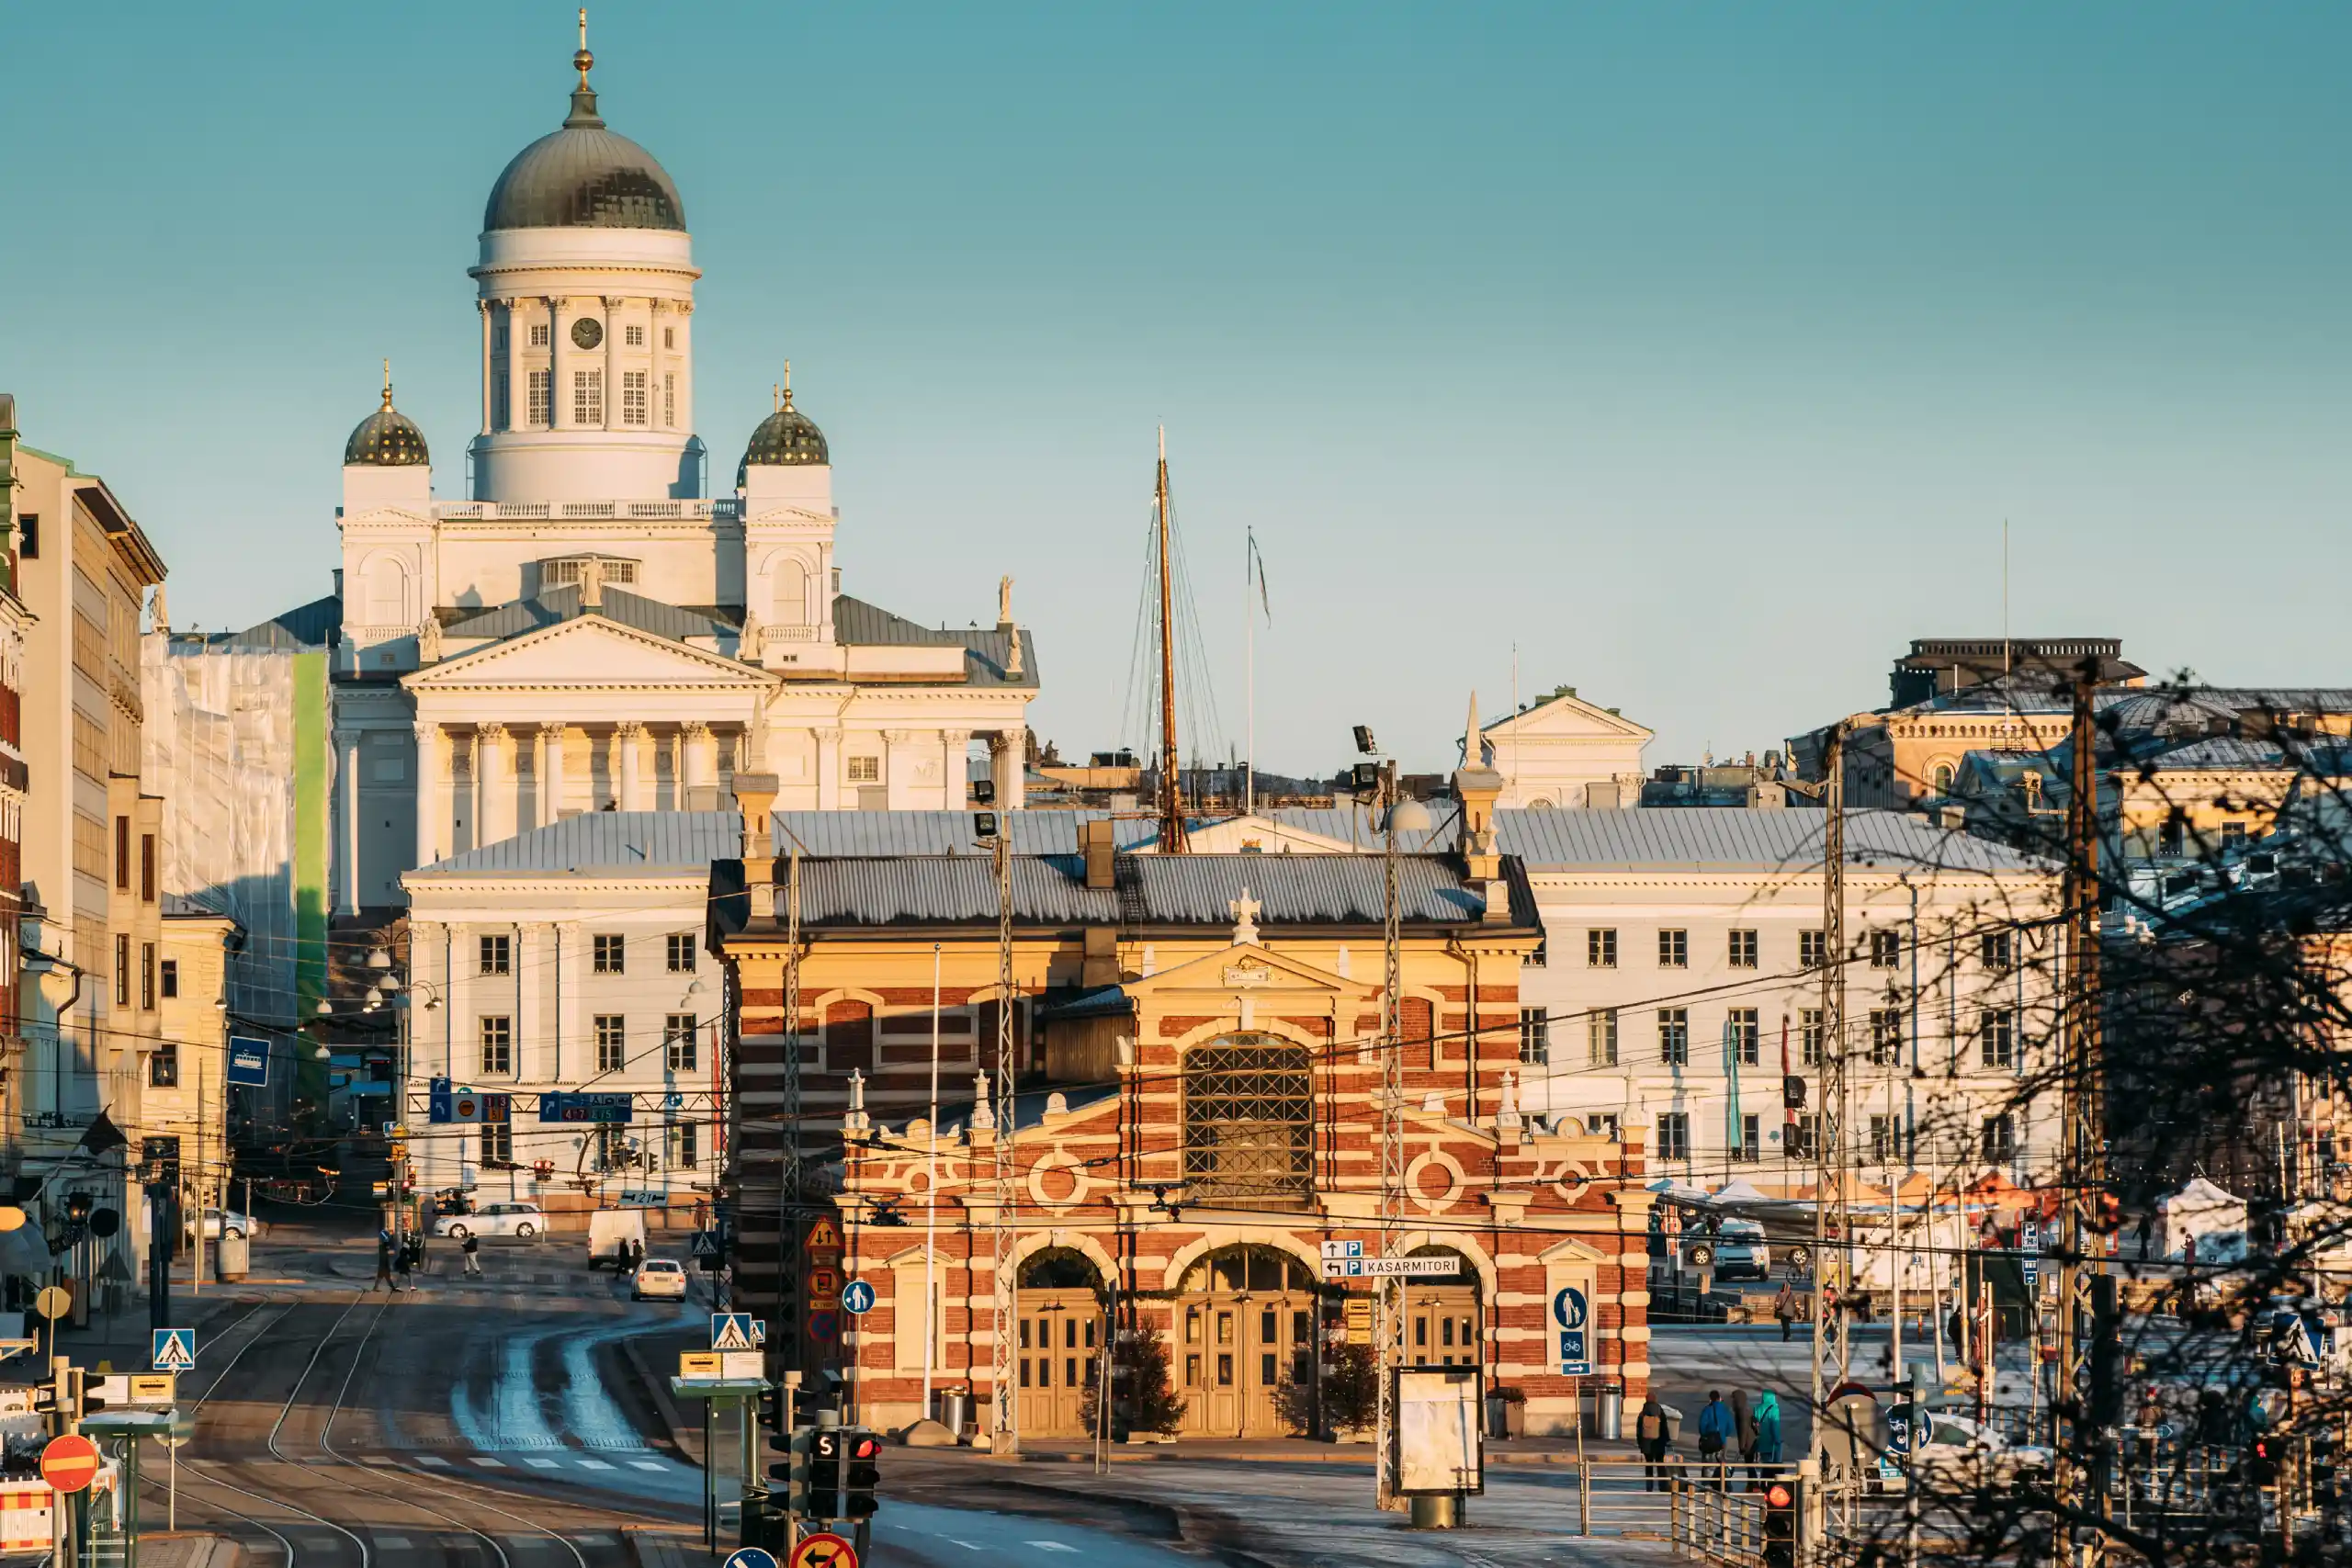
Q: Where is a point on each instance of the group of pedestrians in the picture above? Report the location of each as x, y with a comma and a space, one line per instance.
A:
1751, 1431
398, 1260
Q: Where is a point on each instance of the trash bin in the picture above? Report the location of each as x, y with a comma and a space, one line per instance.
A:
233, 1259
955, 1409
1609, 1411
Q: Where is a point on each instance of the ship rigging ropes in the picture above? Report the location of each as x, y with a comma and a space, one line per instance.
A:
1201, 732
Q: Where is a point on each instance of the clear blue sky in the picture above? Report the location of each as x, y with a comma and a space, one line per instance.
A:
1699, 350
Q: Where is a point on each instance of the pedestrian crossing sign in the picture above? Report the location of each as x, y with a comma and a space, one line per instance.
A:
731, 1331
175, 1349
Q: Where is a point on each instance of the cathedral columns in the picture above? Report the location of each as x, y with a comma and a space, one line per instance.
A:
432, 792
898, 768
518, 379
701, 769
685, 312
346, 758
484, 306
493, 786
1009, 767
557, 420
953, 745
567, 993
653, 415
628, 762
612, 363
551, 775
828, 770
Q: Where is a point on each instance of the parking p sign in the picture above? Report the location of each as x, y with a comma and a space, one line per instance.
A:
1570, 1313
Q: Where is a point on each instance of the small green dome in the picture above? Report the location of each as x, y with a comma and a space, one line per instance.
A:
786, 438
386, 439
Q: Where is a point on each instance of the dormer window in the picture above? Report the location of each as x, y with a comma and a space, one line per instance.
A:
564, 572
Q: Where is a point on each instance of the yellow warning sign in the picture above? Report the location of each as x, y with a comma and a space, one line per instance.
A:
825, 1235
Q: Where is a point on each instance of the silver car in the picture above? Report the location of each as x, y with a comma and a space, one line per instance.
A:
521, 1221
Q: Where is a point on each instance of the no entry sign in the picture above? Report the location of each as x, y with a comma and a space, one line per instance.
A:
69, 1463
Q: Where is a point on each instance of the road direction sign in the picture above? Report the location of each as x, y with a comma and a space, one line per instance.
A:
1391, 1268
69, 1463
175, 1349
597, 1107
1571, 1315
731, 1331
1343, 1249
857, 1298
248, 1061
824, 1550
751, 1557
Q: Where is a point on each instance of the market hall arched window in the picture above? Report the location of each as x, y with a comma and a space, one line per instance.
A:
1248, 1120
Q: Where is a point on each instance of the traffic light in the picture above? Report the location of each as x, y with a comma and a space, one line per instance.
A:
1793, 1092
1779, 1524
863, 1473
2265, 1454
794, 1472
2320, 1462
825, 1445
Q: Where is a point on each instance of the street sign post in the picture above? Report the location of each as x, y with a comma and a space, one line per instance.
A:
69, 1463
1390, 1268
857, 1298
1571, 1315
824, 1550
579, 1108
733, 1331
173, 1349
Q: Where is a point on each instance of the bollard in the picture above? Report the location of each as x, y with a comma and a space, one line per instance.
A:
1584, 1497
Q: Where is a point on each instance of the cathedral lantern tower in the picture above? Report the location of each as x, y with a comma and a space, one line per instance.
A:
586, 292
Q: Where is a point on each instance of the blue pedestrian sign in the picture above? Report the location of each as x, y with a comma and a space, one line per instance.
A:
751, 1557
857, 1298
733, 1331
1571, 1315
175, 1349
706, 1244
248, 1061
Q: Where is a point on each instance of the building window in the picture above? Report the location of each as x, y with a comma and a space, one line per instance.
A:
678, 1041
633, 336
542, 412
1601, 1035
2173, 836
502, 408
1743, 950
538, 334
1536, 1036
28, 535
865, 770
1674, 950
1601, 948
608, 954
612, 1054
1810, 948
497, 1045
682, 953
632, 397
122, 971
1887, 1037
1997, 950
1751, 1140
2233, 835
1746, 1034
1998, 1039
1809, 1032
1601, 1124
497, 1137
147, 976
1674, 1036
686, 1145
669, 337
1886, 950
146, 868
669, 402
2000, 1139
1797, 1142
497, 955
171, 972
122, 854
1674, 1134
1886, 1133
1248, 1116
164, 1066
587, 397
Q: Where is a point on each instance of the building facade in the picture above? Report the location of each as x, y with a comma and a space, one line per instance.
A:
1563, 753
594, 627
16, 626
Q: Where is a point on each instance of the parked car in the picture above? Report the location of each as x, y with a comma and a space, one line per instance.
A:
1961, 1451
661, 1276
1734, 1249
520, 1221
217, 1221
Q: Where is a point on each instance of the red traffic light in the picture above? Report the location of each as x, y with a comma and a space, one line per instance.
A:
866, 1445
1778, 1495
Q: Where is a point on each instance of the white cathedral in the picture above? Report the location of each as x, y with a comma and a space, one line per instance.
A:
592, 629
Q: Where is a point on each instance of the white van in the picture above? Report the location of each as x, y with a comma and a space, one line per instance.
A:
610, 1231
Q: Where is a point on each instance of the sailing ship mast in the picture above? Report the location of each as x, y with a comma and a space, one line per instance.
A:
1171, 792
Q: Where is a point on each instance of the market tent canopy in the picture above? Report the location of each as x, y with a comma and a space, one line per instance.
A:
2200, 1209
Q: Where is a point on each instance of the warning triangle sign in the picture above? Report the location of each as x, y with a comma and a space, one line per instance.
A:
825, 1234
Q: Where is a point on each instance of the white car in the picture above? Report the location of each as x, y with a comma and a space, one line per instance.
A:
1961, 1450
521, 1221
661, 1276
216, 1221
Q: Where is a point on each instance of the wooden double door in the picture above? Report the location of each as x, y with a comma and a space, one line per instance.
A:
1441, 1326
1058, 1355
1235, 1350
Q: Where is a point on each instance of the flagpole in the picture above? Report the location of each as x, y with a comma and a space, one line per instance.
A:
1250, 673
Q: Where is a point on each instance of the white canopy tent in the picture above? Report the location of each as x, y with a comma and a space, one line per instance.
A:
2200, 1209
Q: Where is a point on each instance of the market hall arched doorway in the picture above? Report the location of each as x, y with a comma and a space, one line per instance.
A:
1443, 1315
1245, 1331
1058, 1341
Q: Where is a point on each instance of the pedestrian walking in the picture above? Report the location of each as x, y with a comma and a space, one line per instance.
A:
1649, 1436
1743, 1429
1715, 1431
1768, 1428
1784, 1309
403, 1265
384, 1258
472, 1249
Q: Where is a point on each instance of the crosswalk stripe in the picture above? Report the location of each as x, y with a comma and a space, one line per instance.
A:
593, 1464
489, 1464
433, 1459
540, 1463
395, 1542
648, 1464
1052, 1545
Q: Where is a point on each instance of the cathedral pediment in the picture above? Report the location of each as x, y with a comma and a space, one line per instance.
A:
588, 652
1566, 717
